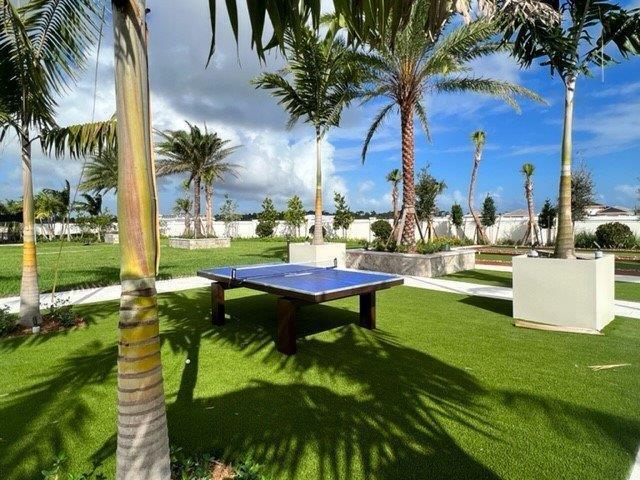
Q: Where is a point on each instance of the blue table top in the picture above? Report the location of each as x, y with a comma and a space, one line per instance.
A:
300, 278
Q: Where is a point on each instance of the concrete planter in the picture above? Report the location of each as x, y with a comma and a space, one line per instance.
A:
414, 264
111, 238
563, 295
197, 243
307, 253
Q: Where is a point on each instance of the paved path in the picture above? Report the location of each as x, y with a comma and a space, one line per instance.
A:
507, 268
77, 297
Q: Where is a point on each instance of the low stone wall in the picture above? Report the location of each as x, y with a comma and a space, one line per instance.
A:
415, 264
196, 243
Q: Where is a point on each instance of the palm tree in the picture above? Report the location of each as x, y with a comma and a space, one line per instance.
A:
405, 68
319, 81
570, 47
192, 152
92, 204
478, 138
42, 46
101, 172
532, 228
394, 177
183, 207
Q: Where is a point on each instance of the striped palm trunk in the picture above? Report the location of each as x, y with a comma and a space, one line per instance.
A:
197, 219
532, 230
408, 183
142, 442
208, 208
477, 157
564, 247
29, 289
394, 201
317, 228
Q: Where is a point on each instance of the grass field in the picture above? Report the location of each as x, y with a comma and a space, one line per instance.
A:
506, 259
445, 388
624, 290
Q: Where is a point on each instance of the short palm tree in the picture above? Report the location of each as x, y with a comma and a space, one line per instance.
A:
320, 79
407, 67
192, 152
101, 172
532, 233
43, 45
394, 177
578, 40
92, 204
478, 138
183, 207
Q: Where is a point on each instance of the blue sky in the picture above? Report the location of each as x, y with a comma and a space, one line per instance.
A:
280, 163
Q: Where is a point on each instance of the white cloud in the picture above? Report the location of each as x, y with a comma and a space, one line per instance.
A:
627, 192
609, 129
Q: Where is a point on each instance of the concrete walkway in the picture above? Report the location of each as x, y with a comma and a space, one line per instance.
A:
91, 295
507, 268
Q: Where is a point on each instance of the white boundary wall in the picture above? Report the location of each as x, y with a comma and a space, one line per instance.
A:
511, 228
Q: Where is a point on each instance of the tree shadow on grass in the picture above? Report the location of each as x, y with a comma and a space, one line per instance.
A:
501, 307
483, 277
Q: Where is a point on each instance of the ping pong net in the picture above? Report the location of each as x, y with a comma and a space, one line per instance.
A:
243, 274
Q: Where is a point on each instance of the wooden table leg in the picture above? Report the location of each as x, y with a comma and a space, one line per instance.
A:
368, 310
217, 304
286, 311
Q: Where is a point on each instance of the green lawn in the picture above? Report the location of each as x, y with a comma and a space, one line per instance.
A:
445, 388
624, 290
506, 259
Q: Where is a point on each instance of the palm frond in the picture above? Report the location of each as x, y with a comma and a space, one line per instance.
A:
422, 116
79, 140
377, 121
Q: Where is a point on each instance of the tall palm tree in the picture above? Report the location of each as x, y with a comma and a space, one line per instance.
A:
320, 79
101, 172
478, 138
577, 41
92, 204
407, 67
532, 232
192, 152
217, 168
394, 177
43, 45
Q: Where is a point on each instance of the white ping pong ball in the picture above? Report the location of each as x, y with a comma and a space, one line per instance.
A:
187, 361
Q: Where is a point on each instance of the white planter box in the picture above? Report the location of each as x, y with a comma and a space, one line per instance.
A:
307, 253
111, 238
564, 295
196, 243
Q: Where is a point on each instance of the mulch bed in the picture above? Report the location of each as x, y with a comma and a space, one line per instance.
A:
50, 324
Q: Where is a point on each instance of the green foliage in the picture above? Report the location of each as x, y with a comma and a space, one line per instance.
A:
229, 215
488, 215
582, 192
101, 172
92, 204
427, 191
8, 322
343, 218
200, 467
294, 215
585, 240
439, 244
457, 215
61, 312
615, 235
249, 470
56, 470
547, 215
381, 230
98, 224
182, 206
267, 219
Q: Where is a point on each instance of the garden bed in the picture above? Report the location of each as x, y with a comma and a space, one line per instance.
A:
198, 243
416, 264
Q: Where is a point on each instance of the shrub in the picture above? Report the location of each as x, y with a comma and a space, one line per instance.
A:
507, 242
439, 244
585, 240
264, 230
8, 322
615, 235
61, 312
381, 230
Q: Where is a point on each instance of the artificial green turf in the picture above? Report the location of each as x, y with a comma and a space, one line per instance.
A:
446, 388
624, 290
506, 259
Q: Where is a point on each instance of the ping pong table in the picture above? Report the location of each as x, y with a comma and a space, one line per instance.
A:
298, 285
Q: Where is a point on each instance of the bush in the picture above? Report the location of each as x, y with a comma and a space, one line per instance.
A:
62, 313
264, 230
8, 322
439, 244
615, 235
585, 240
381, 230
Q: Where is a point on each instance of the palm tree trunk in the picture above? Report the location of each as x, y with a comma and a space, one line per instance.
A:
394, 200
472, 186
208, 207
142, 442
564, 247
29, 289
408, 183
532, 216
317, 228
187, 224
197, 220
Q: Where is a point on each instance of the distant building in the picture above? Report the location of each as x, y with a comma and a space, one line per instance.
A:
594, 209
521, 212
615, 211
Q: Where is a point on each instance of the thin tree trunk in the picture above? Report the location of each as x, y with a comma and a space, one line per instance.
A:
187, 224
142, 443
408, 183
564, 247
394, 200
477, 157
197, 220
532, 233
208, 208
29, 289
318, 238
